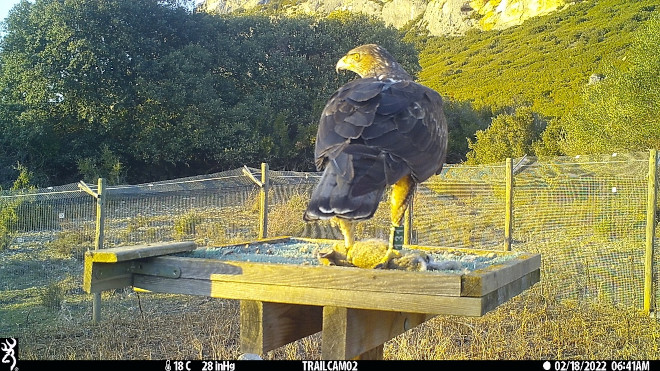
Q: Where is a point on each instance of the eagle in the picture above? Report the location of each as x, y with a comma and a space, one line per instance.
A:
380, 130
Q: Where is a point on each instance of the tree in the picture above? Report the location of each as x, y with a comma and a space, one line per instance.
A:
463, 121
73, 69
149, 90
509, 135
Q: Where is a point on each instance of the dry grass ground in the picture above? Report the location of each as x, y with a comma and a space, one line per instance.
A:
42, 303
530, 326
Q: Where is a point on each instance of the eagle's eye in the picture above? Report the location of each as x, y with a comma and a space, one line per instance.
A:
356, 57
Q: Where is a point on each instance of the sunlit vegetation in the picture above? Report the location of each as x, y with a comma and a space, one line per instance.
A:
546, 65
143, 91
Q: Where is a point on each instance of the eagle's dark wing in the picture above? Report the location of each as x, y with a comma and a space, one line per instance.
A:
371, 134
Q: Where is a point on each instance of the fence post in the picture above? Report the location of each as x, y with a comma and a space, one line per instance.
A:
98, 243
263, 197
263, 201
508, 208
652, 197
99, 195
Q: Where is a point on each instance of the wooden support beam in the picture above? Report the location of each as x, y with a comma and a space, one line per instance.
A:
350, 333
508, 208
266, 326
651, 204
106, 276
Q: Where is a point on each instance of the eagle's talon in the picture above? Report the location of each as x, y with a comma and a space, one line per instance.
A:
335, 256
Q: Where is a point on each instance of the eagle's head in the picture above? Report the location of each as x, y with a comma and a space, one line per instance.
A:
372, 60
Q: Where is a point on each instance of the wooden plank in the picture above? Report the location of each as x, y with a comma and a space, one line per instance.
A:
508, 291
474, 284
384, 301
123, 253
116, 282
88, 266
483, 281
387, 301
184, 286
99, 277
317, 277
266, 326
349, 333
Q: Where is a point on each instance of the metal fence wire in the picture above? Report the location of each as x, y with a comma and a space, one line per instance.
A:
586, 215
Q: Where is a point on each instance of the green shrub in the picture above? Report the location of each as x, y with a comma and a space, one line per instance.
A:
509, 135
52, 296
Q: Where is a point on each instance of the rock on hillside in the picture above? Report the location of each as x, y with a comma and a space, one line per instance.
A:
439, 17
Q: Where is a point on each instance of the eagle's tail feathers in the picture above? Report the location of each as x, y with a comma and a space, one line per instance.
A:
333, 197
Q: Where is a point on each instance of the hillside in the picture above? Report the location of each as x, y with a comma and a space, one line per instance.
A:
545, 62
437, 17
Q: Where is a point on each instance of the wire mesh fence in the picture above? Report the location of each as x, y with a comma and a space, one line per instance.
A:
585, 215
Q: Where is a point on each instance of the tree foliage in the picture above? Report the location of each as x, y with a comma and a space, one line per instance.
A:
464, 122
621, 112
509, 135
147, 90
545, 64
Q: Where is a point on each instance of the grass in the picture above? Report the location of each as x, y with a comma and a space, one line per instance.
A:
591, 262
530, 326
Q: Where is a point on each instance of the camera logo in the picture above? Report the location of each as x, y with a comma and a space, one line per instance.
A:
9, 347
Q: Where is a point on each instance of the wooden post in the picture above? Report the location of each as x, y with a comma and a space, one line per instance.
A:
508, 208
263, 197
99, 195
350, 333
652, 197
98, 243
100, 215
263, 202
266, 326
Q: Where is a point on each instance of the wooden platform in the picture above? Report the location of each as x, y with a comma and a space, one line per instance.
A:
357, 309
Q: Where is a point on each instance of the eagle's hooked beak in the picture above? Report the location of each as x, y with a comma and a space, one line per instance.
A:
342, 64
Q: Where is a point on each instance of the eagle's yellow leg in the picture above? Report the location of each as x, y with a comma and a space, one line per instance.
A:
402, 192
347, 228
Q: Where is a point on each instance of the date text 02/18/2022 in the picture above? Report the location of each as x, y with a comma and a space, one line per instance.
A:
597, 366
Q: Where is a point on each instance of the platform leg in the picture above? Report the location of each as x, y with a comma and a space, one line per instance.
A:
266, 326
360, 334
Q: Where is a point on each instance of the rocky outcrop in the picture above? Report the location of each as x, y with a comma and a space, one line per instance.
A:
506, 13
439, 17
